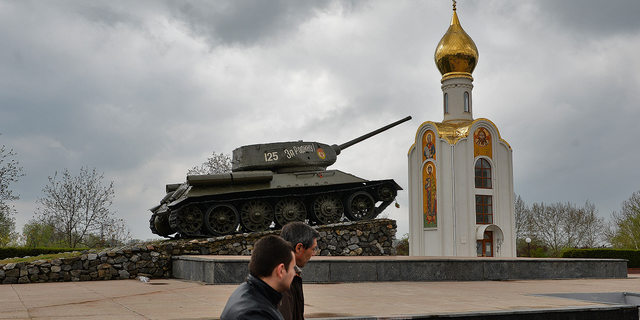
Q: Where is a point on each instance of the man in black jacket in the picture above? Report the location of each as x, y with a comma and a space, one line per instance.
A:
270, 273
304, 240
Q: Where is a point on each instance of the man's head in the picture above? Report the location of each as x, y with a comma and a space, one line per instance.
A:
304, 240
272, 261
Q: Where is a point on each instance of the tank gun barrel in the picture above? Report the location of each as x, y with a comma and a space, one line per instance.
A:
345, 145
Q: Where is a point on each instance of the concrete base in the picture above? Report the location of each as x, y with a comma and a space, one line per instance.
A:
233, 269
624, 312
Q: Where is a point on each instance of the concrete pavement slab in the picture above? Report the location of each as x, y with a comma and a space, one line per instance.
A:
177, 299
104, 308
13, 310
46, 296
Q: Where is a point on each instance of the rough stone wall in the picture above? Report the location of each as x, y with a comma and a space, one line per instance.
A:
115, 263
369, 238
153, 260
360, 238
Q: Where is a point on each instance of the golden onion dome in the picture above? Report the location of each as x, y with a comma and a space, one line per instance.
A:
456, 54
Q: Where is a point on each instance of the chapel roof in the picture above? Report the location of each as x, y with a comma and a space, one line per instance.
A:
456, 54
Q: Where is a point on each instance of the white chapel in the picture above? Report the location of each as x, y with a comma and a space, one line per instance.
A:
461, 200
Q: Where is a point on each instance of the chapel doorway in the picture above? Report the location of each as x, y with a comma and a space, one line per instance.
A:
484, 247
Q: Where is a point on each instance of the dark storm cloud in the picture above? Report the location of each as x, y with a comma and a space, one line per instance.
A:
245, 22
107, 13
77, 77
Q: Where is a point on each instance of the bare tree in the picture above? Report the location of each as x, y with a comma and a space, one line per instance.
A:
625, 229
524, 227
523, 218
564, 225
594, 227
7, 225
10, 171
218, 163
115, 233
547, 224
77, 207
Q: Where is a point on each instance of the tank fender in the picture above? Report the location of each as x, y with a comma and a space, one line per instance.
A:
242, 177
167, 197
252, 176
179, 192
398, 187
209, 179
172, 187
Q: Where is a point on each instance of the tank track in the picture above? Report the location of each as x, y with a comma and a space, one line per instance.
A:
152, 224
271, 209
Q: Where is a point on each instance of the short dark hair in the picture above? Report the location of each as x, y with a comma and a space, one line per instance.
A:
267, 254
299, 232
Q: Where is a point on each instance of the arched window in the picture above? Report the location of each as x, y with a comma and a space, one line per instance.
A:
483, 174
484, 209
446, 103
466, 101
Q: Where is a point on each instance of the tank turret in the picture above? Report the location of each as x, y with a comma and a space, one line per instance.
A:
269, 186
294, 156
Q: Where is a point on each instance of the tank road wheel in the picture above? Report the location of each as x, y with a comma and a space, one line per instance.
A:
327, 208
256, 215
387, 192
361, 206
288, 210
221, 219
188, 220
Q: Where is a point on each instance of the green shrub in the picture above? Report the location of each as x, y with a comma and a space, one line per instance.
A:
12, 252
402, 248
632, 255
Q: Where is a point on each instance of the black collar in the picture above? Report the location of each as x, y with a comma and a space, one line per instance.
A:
271, 294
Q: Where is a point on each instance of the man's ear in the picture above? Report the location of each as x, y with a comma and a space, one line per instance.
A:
299, 249
280, 270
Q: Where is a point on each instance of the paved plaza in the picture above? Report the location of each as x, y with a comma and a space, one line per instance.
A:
177, 299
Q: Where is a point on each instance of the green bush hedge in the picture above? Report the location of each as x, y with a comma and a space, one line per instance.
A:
632, 255
13, 252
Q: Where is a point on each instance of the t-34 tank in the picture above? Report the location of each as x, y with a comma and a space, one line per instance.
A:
269, 186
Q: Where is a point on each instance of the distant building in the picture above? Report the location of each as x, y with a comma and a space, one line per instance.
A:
460, 170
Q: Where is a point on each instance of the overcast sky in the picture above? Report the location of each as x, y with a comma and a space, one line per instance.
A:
144, 90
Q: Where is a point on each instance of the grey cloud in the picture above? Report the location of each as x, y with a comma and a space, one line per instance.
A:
593, 17
251, 22
110, 13
244, 22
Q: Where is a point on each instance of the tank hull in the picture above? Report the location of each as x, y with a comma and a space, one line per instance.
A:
248, 201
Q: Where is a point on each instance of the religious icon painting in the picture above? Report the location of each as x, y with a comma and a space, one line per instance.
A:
429, 145
430, 205
482, 142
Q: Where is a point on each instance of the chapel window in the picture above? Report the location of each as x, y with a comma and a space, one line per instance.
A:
484, 209
446, 103
466, 101
483, 174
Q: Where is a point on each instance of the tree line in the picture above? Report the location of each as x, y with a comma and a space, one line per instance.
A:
552, 228
74, 211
